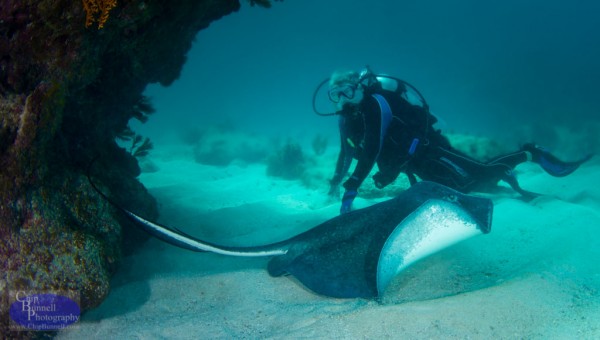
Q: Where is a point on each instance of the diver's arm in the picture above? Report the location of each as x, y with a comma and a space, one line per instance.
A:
371, 147
344, 157
342, 166
343, 162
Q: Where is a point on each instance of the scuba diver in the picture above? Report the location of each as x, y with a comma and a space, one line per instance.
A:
386, 121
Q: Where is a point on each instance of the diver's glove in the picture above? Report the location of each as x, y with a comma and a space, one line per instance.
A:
347, 200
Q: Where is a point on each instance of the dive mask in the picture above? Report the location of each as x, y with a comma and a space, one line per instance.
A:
342, 90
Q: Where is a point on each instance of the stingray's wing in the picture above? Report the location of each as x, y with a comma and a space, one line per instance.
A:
436, 225
384, 239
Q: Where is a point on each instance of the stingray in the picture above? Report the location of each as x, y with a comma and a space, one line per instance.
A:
357, 254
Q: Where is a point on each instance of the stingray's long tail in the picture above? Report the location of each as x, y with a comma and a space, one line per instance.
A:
180, 239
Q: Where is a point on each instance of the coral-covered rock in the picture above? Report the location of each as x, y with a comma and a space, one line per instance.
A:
66, 91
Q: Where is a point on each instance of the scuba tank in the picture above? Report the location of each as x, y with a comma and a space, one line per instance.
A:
375, 84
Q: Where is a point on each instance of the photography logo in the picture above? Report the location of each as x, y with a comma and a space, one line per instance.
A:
43, 312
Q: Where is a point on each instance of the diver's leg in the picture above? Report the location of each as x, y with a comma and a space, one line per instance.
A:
506, 164
510, 178
550, 163
480, 176
448, 167
511, 160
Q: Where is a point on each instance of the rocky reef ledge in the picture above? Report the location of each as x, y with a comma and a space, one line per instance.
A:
72, 74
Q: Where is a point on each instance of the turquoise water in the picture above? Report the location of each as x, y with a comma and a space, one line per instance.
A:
507, 67
511, 70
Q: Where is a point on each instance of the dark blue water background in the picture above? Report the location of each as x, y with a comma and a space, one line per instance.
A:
484, 67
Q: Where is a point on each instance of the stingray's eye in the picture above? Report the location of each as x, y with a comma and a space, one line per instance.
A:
451, 198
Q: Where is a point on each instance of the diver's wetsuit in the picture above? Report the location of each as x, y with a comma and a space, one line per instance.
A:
404, 140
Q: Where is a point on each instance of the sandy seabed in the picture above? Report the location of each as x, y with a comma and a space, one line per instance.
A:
535, 275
